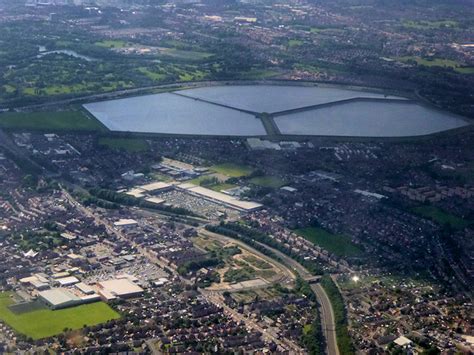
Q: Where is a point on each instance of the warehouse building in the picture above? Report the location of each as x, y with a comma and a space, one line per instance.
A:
58, 298
121, 288
219, 197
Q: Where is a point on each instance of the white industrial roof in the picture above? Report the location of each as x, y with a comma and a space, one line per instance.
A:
84, 288
135, 192
125, 222
155, 186
120, 287
402, 341
70, 280
155, 200
57, 296
220, 197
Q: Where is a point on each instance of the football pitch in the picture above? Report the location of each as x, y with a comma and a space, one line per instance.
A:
43, 323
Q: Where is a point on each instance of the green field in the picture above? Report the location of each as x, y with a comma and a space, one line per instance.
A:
222, 186
337, 244
54, 121
429, 25
268, 181
113, 44
184, 54
441, 217
231, 170
46, 323
438, 62
295, 43
132, 145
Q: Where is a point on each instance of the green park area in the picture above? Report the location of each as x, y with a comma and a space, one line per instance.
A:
438, 62
441, 217
113, 44
43, 323
131, 145
430, 25
336, 244
231, 170
49, 120
268, 181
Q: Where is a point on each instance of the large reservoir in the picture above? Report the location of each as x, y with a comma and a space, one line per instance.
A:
294, 110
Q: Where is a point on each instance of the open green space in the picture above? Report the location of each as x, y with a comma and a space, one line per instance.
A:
257, 262
268, 181
45, 323
430, 25
441, 217
222, 186
295, 43
132, 145
231, 169
113, 44
337, 244
238, 275
48, 120
438, 62
184, 54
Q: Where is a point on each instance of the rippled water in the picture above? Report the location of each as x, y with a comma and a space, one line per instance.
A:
274, 98
169, 113
369, 119
173, 114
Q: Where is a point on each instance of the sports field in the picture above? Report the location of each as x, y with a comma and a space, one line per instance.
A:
43, 323
232, 170
50, 120
340, 245
268, 181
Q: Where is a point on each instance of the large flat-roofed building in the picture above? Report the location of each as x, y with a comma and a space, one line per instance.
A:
68, 281
58, 298
219, 197
122, 288
156, 187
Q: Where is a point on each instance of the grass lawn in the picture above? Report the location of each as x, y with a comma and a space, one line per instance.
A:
132, 145
268, 181
439, 62
222, 186
45, 322
428, 25
54, 121
441, 217
113, 44
185, 54
337, 244
231, 170
295, 43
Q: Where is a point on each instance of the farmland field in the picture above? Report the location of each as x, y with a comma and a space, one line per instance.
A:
337, 244
54, 121
44, 323
268, 181
232, 170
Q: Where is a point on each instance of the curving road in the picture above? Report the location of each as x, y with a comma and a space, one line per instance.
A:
327, 315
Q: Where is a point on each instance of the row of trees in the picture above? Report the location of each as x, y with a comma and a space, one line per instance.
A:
251, 236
